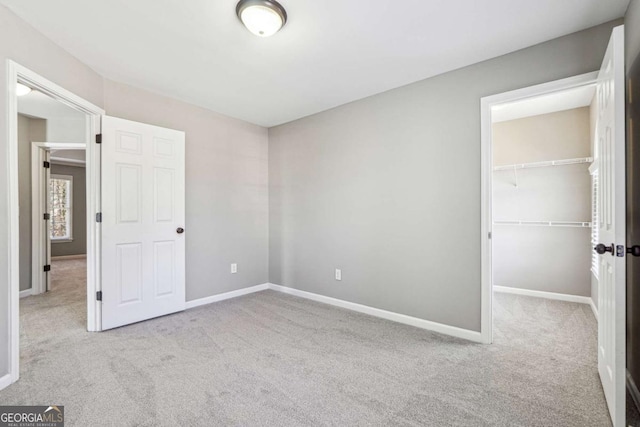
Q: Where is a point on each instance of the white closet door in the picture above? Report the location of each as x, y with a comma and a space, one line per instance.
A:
610, 129
143, 215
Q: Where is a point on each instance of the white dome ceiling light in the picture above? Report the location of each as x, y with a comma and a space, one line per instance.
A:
263, 18
22, 90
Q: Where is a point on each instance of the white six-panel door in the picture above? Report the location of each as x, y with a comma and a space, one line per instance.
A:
610, 131
143, 210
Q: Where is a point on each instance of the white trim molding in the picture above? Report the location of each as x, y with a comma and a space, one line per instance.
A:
549, 295
25, 293
39, 227
593, 308
67, 257
384, 314
5, 381
226, 295
542, 294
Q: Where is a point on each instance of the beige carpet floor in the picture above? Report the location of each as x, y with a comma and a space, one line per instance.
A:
277, 360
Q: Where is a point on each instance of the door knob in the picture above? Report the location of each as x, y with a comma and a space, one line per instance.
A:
634, 250
180, 230
602, 249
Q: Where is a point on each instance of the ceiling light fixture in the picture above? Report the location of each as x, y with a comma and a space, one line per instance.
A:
263, 18
22, 90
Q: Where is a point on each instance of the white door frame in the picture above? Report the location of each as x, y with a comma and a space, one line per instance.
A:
486, 181
38, 225
16, 73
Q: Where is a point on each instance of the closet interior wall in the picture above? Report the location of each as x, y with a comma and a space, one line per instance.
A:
541, 212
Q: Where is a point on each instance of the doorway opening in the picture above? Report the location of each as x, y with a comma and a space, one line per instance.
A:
544, 198
539, 182
143, 217
65, 192
59, 208
567, 195
58, 220
40, 112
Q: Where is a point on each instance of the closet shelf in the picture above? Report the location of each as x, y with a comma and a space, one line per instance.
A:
547, 163
546, 223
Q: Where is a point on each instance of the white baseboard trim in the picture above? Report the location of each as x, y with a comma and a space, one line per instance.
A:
226, 295
633, 390
63, 257
542, 294
593, 308
5, 381
388, 315
25, 293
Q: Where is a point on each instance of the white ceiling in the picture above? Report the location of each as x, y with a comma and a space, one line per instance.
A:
329, 53
545, 104
37, 104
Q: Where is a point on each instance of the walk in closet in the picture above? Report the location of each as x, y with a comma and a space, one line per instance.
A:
542, 202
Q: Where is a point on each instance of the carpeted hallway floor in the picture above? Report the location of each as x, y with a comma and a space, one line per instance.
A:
273, 359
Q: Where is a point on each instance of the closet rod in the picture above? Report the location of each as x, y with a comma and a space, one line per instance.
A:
546, 223
547, 163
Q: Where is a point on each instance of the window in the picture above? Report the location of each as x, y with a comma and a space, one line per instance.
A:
61, 205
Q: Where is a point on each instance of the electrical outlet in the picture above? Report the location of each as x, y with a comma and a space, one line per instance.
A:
234, 268
338, 274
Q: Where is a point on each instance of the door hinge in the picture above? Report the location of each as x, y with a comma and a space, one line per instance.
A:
47, 267
620, 250
99, 296
46, 165
99, 217
99, 138
47, 216
489, 235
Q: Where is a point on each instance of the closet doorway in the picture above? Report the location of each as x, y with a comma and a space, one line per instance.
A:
544, 192
553, 225
540, 190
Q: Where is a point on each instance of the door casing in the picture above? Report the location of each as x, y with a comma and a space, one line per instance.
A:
17, 73
486, 179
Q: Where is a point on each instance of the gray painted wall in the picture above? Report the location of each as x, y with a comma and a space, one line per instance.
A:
29, 130
66, 130
549, 259
388, 188
79, 244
